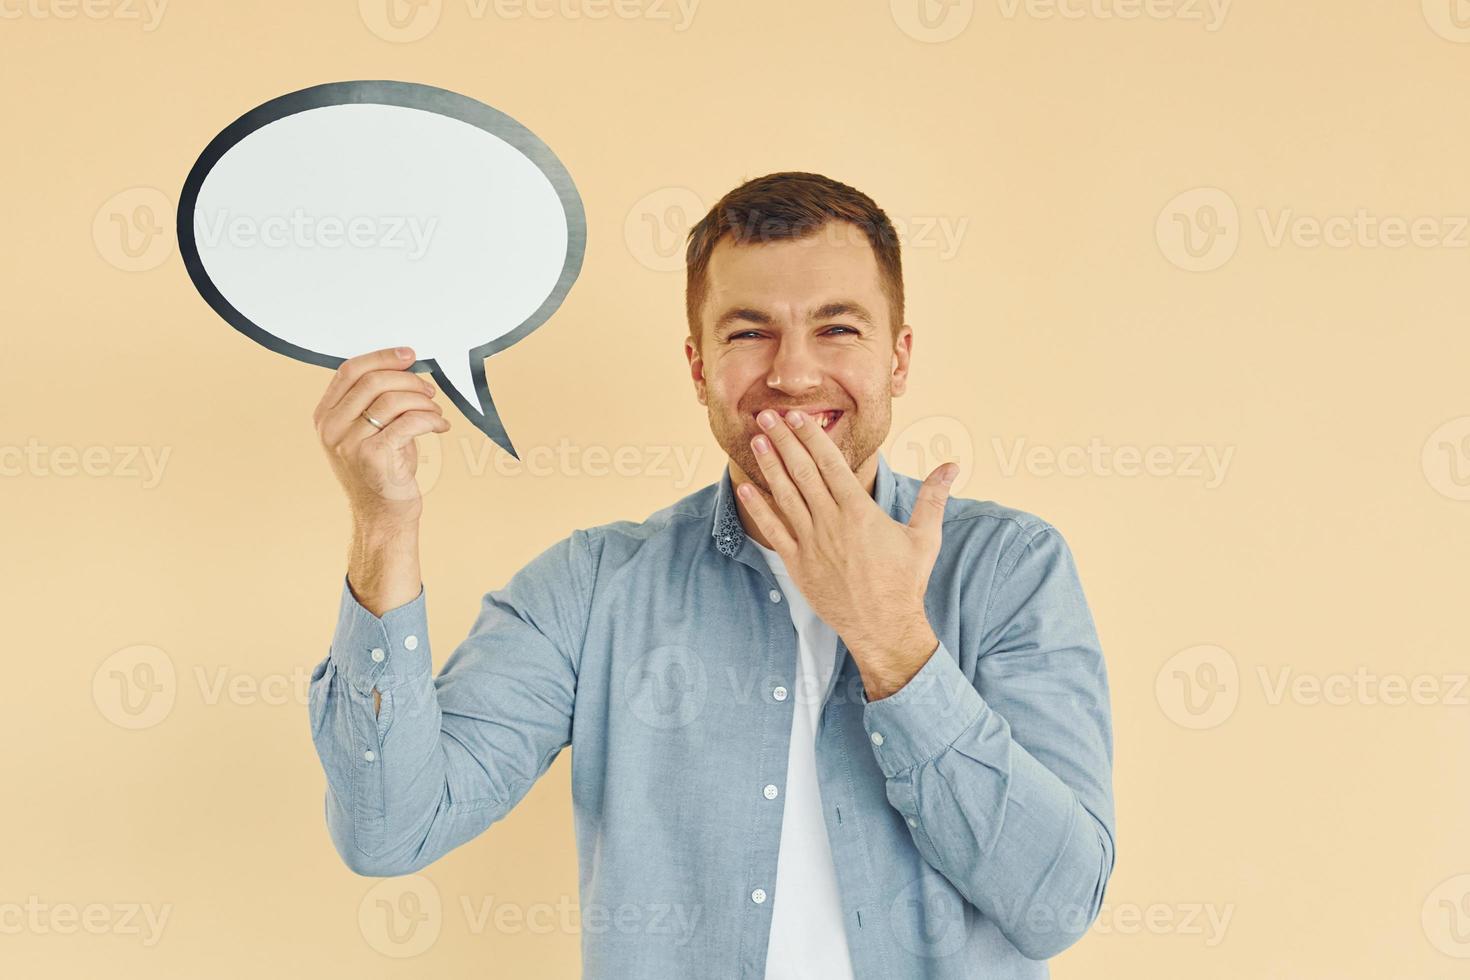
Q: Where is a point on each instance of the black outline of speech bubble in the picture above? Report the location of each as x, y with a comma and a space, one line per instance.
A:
410, 95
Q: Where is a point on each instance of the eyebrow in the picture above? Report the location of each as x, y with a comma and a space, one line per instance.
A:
828, 311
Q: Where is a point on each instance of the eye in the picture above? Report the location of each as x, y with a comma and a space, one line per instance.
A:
841, 327
743, 333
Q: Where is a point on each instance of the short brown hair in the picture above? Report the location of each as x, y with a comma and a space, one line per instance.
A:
790, 205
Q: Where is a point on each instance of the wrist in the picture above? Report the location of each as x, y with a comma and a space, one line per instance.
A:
374, 528
383, 565
887, 660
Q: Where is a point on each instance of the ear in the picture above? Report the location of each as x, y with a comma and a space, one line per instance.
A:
902, 350
696, 367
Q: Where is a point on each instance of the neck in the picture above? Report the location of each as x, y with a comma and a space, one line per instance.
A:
867, 476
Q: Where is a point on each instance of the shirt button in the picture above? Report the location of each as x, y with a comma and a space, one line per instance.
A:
369, 755
913, 822
770, 791
775, 595
877, 738
758, 896
779, 693
410, 643
378, 655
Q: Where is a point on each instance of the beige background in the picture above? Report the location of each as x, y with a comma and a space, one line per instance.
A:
1044, 169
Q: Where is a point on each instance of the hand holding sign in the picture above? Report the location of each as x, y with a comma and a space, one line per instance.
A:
367, 420
359, 216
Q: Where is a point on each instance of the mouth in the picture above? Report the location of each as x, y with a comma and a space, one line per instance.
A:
827, 418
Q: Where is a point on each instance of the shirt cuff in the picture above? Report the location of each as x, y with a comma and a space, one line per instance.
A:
380, 651
916, 723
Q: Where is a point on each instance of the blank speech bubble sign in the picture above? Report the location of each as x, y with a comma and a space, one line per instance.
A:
354, 216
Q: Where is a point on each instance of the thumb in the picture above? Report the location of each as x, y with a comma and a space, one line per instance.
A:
928, 513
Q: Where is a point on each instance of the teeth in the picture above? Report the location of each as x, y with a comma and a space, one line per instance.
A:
827, 419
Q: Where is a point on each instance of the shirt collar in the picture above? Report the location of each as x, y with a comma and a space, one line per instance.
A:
729, 534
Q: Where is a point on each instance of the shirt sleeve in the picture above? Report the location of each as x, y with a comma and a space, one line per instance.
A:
446, 756
1005, 781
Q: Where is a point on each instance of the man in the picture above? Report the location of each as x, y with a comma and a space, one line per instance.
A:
827, 721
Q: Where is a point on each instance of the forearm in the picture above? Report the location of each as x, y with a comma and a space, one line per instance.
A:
445, 756
383, 565
889, 661
384, 772
385, 768
383, 570
1013, 837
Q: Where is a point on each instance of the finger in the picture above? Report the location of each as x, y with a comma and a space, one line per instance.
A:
385, 408
364, 394
801, 467
409, 426
766, 519
840, 481
789, 499
350, 370
928, 515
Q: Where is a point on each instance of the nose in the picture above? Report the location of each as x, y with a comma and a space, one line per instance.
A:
795, 367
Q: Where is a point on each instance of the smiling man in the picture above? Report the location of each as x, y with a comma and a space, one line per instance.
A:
827, 721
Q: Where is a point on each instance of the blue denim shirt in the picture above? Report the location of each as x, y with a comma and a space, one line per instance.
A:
970, 813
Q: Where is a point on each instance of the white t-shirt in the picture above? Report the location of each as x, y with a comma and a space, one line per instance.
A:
808, 937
